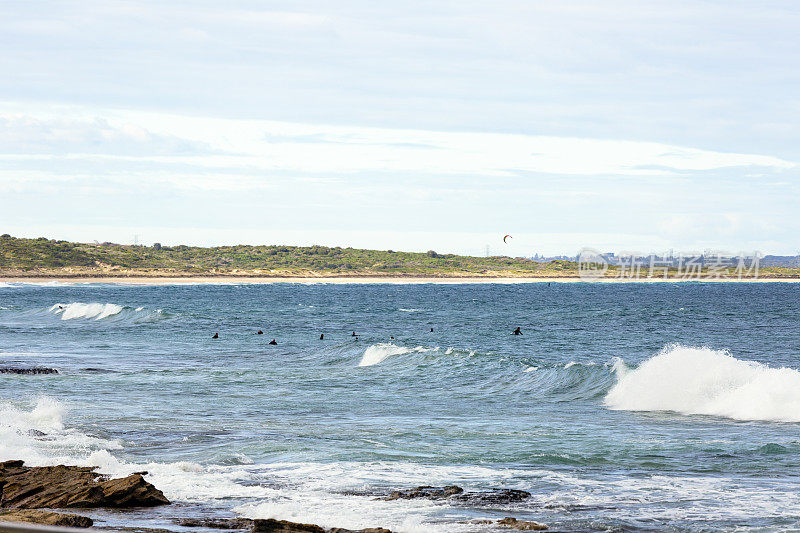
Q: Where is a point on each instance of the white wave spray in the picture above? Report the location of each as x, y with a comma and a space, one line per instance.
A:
40, 438
702, 381
97, 311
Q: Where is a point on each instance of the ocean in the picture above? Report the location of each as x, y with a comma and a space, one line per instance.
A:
646, 407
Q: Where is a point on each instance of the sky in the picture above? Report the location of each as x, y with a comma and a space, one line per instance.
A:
637, 126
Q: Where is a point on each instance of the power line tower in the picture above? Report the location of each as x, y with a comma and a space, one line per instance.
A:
488, 251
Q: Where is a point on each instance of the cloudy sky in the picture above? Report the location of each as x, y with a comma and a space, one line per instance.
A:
636, 125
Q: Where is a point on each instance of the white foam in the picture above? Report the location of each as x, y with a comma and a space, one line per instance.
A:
75, 310
38, 436
382, 351
703, 381
352, 512
185, 480
318, 493
411, 310
668, 498
618, 367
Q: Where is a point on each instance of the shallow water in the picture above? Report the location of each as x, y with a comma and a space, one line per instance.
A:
622, 407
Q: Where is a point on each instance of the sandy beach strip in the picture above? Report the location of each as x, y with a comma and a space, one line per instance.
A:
234, 280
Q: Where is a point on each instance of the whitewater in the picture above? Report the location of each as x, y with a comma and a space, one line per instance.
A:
622, 407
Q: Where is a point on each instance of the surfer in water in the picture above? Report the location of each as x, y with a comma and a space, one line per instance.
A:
517, 331
321, 336
273, 342
216, 336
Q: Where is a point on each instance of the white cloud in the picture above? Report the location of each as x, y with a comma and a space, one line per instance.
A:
259, 149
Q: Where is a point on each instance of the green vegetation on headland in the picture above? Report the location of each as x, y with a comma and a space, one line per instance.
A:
50, 258
44, 257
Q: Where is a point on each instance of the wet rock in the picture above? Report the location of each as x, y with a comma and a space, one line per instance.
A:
454, 493
510, 522
271, 525
27, 371
99, 370
493, 497
283, 526
425, 491
217, 523
36, 433
45, 517
368, 530
23, 487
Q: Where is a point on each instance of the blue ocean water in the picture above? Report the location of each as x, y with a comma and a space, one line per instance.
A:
664, 406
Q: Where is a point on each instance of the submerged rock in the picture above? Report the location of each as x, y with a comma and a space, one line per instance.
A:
368, 530
425, 491
24, 487
27, 371
45, 517
217, 523
522, 525
453, 492
269, 525
493, 496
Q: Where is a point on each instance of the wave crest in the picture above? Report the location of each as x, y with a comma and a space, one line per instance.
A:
102, 311
381, 351
703, 381
74, 310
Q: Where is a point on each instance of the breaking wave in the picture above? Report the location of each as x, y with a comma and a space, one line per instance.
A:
38, 436
102, 311
382, 351
703, 381
96, 311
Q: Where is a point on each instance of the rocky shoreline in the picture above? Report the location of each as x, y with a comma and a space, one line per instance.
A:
33, 494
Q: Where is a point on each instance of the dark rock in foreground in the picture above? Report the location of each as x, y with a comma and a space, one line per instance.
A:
27, 371
24, 487
493, 496
270, 526
425, 491
368, 530
282, 526
452, 492
274, 526
217, 523
45, 517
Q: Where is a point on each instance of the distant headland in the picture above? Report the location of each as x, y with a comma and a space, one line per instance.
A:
42, 259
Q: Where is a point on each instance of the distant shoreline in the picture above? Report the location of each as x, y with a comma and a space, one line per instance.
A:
225, 280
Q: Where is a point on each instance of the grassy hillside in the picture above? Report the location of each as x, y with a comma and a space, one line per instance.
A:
29, 257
